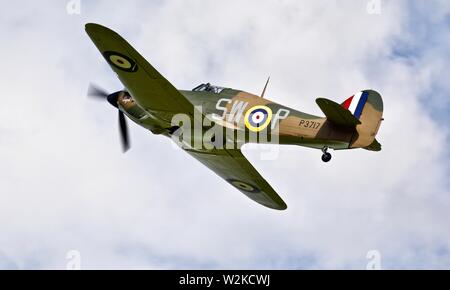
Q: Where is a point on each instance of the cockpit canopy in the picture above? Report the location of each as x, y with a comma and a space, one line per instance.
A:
208, 88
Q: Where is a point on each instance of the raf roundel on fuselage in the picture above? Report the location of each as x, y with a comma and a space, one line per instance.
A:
258, 118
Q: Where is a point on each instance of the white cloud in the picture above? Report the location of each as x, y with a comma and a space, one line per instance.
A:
65, 184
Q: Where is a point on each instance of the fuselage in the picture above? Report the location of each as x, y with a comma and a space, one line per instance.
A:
230, 109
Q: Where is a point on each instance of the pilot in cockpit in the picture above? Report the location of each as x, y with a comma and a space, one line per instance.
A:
208, 88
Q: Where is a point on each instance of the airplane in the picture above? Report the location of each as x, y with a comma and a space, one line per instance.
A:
238, 118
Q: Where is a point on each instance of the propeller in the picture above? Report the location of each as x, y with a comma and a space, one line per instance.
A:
95, 91
123, 132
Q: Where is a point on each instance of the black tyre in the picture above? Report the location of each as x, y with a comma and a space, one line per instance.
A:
326, 157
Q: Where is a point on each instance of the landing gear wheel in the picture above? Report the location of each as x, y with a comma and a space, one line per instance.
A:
326, 157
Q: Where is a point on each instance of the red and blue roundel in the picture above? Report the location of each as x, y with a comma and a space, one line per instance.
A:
258, 118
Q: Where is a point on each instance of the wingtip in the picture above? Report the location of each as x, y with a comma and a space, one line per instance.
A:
281, 207
91, 26
94, 27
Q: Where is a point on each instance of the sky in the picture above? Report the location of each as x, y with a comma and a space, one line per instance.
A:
67, 190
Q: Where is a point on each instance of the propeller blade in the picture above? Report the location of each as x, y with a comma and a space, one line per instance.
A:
123, 132
99, 93
96, 91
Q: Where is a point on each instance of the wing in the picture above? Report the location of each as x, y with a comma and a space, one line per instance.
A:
232, 166
147, 86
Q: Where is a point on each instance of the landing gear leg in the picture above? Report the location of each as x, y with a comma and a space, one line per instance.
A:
326, 157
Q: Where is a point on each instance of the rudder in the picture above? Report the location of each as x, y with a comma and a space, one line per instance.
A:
367, 107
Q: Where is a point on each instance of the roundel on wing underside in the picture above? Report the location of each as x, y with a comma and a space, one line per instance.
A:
120, 61
258, 118
244, 186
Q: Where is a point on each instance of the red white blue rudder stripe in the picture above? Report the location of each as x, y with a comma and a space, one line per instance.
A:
355, 104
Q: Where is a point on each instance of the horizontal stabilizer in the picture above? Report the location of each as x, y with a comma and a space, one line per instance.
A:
375, 146
337, 114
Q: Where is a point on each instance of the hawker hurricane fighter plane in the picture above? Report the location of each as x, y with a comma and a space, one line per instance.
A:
233, 118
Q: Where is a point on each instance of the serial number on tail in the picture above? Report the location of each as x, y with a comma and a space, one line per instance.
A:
310, 124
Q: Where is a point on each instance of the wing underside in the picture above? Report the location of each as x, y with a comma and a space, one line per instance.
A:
232, 166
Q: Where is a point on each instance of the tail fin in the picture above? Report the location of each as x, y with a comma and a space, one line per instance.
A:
367, 107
